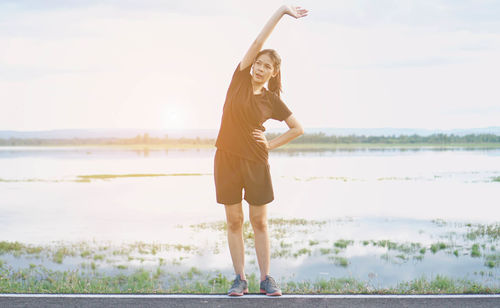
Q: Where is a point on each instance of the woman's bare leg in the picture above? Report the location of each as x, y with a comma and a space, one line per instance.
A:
258, 218
234, 217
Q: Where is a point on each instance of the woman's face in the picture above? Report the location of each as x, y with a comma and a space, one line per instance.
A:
263, 69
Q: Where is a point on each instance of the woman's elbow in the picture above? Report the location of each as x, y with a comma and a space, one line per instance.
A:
299, 130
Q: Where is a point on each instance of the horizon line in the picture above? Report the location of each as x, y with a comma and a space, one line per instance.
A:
284, 128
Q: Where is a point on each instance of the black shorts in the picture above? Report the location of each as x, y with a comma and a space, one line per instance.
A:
233, 173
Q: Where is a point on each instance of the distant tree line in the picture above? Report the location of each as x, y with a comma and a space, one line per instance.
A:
401, 139
304, 139
139, 139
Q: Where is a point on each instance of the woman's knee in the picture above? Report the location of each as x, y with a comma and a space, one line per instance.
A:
259, 222
234, 218
235, 224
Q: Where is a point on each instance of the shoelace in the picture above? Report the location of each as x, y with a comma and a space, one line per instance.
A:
236, 282
272, 283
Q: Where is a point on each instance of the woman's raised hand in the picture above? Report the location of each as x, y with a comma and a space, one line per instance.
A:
295, 11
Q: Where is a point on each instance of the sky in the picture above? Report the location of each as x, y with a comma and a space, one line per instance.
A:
153, 64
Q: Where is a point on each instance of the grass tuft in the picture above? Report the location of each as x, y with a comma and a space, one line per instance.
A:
475, 251
343, 243
437, 247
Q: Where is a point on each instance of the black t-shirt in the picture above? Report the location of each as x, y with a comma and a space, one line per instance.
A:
243, 112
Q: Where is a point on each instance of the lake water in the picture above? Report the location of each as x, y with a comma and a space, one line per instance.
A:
365, 195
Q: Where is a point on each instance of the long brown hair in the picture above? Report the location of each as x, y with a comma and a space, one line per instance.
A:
274, 83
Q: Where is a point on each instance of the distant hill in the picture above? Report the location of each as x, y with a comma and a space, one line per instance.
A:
212, 133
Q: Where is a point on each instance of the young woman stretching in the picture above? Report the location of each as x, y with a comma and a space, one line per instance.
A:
241, 159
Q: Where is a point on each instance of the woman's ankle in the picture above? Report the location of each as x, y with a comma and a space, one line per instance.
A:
242, 276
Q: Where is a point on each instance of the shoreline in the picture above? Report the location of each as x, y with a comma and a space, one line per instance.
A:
137, 266
43, 281
290, 146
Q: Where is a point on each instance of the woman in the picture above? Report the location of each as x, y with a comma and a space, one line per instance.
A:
241, 159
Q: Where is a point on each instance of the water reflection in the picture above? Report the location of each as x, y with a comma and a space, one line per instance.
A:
379, 251
389, 194
87, 152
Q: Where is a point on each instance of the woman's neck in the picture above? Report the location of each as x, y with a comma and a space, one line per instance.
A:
257, 87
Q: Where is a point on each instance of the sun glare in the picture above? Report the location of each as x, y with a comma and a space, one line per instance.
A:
174, 116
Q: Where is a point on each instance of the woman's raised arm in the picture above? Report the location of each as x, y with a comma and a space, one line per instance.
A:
294, 11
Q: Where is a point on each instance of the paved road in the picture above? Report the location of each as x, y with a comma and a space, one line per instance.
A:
288, 301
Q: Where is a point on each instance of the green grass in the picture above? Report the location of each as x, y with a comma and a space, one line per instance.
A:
496, 179
87, 178
37, 279
491, 231
418, 258
11, 247
17, 249
437, 247
85, 253
475, 251
325, 251
282, 222
99, 257
342, 244
492, 261
274, 223
313, 242
91, 257
339, 261
302, 251
442, 284
439, 222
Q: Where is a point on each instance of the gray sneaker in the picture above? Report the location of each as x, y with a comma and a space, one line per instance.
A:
239, 287
269, 287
